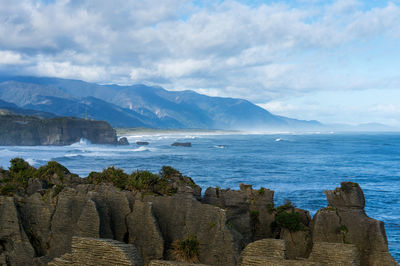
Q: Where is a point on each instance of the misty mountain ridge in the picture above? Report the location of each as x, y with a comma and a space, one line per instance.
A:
141, 105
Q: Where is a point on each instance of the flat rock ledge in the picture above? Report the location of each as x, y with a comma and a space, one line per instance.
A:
101, 252
272, 252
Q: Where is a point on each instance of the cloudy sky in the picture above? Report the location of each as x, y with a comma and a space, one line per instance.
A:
335, 61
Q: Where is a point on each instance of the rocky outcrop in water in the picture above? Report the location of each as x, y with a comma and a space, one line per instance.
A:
123, 141
49, 215
29, 130
182, 144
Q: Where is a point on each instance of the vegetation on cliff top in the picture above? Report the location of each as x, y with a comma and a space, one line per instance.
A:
287, 218
53, 174
20, 172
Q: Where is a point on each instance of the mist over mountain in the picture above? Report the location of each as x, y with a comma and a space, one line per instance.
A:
141, 105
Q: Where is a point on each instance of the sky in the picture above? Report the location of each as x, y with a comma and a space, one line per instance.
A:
332, 61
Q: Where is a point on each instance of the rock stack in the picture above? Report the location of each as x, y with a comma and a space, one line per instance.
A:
161, 219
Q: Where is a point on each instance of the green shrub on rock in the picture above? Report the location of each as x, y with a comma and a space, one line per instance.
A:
289, 220
187, 250
169, 172
112, 175
47, 171
20, 172
8, 189
286, 218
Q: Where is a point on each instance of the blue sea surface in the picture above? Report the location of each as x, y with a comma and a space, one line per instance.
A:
298, 167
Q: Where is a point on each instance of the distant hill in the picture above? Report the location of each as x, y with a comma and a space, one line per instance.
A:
141, 105
12, 108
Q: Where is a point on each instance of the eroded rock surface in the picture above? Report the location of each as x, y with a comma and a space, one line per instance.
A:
101, 252
247, 210
345, 221
15, 248
43, 221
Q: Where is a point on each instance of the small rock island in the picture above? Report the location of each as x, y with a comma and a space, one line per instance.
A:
49, 216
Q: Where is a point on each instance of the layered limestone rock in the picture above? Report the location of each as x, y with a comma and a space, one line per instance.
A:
99, 252
273, 252
247, 210
335, 254
181, 217
345, 221
144, 232
113, 207
15, 248
81, 219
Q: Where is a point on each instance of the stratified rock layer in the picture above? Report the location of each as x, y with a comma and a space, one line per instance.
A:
345, 221
99, 252
15, 246
76, 222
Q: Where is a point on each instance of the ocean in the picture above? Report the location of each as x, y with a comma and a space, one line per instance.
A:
298, 167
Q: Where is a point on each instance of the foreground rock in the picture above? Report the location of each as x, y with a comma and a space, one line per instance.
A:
112, 218
92, 251
28, 130
345, 221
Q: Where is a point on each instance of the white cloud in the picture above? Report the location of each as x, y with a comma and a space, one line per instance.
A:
260, 52
10, 58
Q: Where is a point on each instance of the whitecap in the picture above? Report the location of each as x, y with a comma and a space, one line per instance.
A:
220, 146
141, 148
82, 142
31, 161
71, 155
278, 139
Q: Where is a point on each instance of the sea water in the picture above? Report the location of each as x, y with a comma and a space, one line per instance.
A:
298, 167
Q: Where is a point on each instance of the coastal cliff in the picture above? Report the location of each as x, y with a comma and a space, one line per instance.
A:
18, 130
49, 215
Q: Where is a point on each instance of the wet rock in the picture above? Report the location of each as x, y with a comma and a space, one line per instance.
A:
141, 143
123, 141
182, 144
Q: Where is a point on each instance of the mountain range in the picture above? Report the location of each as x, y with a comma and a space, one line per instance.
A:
137, 105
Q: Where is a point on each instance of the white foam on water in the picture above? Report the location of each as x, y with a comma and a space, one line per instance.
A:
82, 142
31, 161
220, 146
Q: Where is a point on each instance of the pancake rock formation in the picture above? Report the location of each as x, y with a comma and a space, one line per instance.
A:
49, 216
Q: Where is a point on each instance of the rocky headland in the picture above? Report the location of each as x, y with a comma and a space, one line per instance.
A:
51, 216
21, 130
